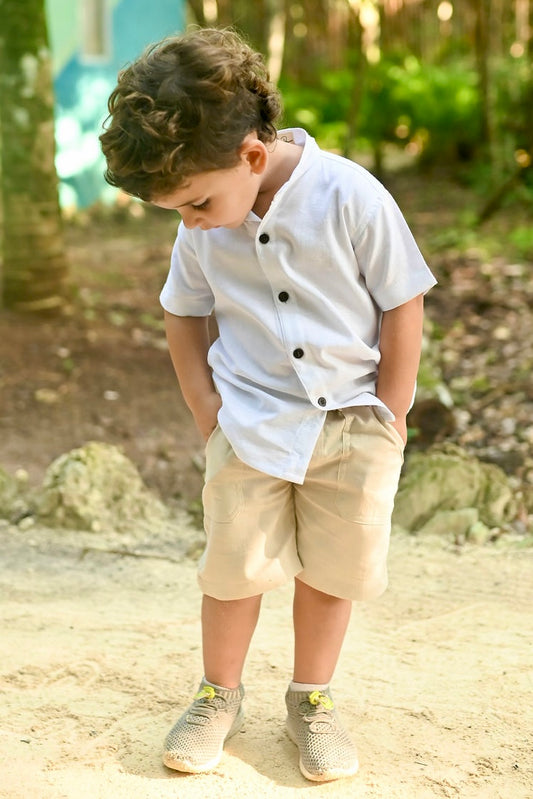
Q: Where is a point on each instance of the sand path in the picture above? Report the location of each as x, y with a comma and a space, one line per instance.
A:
99, 653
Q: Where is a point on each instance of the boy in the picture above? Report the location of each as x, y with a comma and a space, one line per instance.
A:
318, 286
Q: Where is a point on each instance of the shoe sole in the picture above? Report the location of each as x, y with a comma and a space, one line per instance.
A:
182, 764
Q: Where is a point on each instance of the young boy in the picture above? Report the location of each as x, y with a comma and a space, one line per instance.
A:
318, 286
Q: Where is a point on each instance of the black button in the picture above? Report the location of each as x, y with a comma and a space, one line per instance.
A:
298, 353
322, 401
264, 238
283, 296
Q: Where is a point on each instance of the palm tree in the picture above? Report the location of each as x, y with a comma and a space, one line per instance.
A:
34, 260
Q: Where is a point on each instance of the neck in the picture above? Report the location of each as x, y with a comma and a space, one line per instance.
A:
283, 157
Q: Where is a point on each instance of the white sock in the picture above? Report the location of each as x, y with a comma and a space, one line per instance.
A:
221, 687
307, 686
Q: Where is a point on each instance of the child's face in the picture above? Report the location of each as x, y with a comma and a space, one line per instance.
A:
221, 197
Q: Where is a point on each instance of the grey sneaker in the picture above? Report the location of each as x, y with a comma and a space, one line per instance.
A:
326, 751
195, 742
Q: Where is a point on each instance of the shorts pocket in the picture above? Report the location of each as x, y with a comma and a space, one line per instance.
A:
369, 469
222, 495
391, 430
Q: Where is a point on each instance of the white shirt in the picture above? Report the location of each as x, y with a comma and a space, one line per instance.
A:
298, 297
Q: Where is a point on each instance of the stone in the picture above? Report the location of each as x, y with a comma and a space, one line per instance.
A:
14, 499
96, 487
447, 489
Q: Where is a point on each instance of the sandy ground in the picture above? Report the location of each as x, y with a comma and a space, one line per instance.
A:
99, 652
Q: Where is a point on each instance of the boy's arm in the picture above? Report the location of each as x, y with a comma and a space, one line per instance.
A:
400, 343
188, 342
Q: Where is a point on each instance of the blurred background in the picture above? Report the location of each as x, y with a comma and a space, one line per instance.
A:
393, 83
433, 96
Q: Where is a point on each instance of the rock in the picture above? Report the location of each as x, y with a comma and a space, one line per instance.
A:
14, 502
479, 533
446, 490
455, 523
8, 492
459, 525
95, 488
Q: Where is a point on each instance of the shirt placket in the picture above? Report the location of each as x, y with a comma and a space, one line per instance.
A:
285, 294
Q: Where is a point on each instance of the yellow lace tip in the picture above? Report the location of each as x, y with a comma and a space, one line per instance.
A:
207, 692
318, 698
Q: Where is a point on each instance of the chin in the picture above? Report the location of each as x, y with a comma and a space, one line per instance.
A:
236, 223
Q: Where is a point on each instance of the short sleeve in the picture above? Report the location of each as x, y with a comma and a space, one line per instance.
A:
389, 258
186, 291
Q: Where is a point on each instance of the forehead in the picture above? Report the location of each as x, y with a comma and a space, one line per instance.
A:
197, 188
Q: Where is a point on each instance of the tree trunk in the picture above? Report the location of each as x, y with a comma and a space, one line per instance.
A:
483, 19
34, 261
357, 64
275, 42
197, 8
225, 15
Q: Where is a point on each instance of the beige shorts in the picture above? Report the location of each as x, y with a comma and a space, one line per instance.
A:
332, 532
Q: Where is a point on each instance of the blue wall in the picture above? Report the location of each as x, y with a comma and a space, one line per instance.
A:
82, 86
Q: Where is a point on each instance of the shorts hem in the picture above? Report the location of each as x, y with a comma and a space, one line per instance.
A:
227, 593
358, 591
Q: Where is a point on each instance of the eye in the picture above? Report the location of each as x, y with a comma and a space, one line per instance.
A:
201, 206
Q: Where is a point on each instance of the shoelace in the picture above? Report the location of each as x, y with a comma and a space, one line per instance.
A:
319, 716
318, 698
207, 692
205, 705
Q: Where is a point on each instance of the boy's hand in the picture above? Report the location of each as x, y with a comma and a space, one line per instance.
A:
205, 415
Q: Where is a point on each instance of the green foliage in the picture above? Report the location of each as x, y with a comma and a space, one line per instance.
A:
433, 110
513, 107
502, 239
522, 240
307, 106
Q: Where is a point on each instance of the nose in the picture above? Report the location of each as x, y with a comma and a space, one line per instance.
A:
191, 219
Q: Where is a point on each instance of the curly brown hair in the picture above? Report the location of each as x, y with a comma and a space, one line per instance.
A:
184, 107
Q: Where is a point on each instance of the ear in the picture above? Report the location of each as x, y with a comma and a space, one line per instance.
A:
254, 153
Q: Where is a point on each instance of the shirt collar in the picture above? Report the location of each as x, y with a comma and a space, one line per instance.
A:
309, 154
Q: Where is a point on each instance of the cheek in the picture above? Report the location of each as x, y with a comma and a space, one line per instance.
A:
232, 207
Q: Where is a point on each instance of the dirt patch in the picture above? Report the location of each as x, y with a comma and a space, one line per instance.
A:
101, 372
